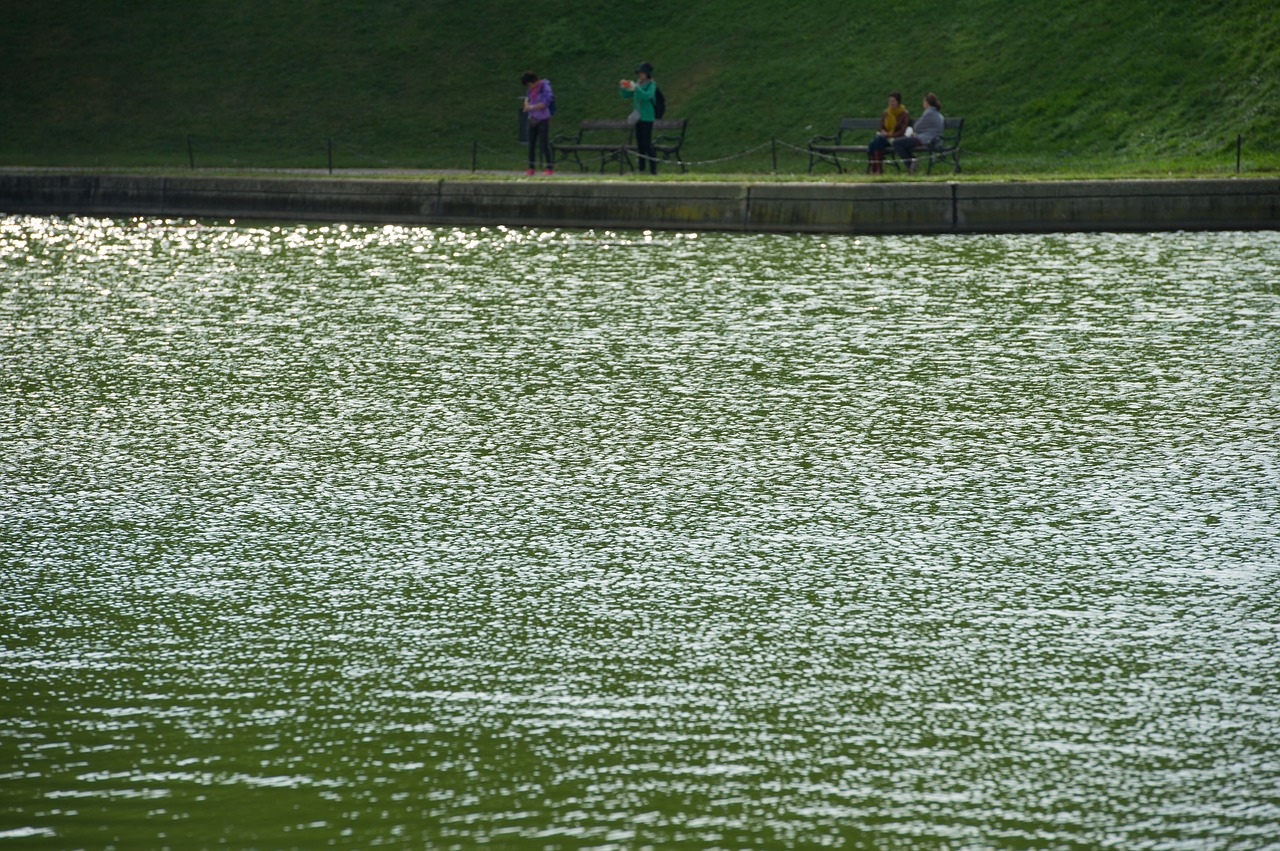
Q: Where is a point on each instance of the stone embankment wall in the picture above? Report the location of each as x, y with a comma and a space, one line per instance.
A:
879, 207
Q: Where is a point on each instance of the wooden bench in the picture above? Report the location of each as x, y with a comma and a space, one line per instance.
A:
829, 148
613, 140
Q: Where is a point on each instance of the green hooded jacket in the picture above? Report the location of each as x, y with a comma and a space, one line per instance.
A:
643, 95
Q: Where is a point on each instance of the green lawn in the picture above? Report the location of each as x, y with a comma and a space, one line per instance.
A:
1088, 89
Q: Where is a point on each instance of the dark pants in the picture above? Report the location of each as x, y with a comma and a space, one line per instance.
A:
875, 152
905, 148
540, 139
879, 144
644, 146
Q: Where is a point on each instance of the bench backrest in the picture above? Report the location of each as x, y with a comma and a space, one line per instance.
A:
951, 128
677, 124
604, 124
856, 126
859, 124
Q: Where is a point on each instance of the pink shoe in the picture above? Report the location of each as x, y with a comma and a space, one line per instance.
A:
529, 173
549, 171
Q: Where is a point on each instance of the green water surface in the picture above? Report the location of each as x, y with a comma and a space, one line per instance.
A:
453, 538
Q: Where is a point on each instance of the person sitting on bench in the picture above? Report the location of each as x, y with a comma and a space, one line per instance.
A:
894, 122
928, 130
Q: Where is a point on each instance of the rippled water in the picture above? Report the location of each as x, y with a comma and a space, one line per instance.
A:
432, 538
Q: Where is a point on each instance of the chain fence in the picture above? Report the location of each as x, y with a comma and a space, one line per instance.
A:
774, 155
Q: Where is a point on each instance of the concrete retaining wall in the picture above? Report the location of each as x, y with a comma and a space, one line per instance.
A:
879, 207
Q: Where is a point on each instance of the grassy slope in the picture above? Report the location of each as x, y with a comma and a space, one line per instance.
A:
1100, 84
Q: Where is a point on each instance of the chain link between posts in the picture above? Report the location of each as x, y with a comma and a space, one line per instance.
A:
922, 155
609, 156
224, 152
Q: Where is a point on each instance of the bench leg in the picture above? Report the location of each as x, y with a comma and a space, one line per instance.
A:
621, 156
563, 156
669, 157
934, 155
815, 158
952, 156
609, 157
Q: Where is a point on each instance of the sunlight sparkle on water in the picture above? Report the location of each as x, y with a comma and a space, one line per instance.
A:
358, 535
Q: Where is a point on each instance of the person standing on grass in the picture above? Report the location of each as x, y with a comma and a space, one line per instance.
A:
928, 132
894, 122
537, 105
642, 92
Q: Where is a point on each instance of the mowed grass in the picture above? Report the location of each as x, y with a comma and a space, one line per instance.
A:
1095, 88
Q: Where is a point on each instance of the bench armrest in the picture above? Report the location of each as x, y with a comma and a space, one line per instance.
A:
816, 139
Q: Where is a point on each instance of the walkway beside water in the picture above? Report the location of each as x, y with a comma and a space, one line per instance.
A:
880, 207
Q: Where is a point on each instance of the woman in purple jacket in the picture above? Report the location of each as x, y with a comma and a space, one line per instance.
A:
537, 105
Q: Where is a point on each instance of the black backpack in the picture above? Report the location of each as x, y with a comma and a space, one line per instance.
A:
659, 104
